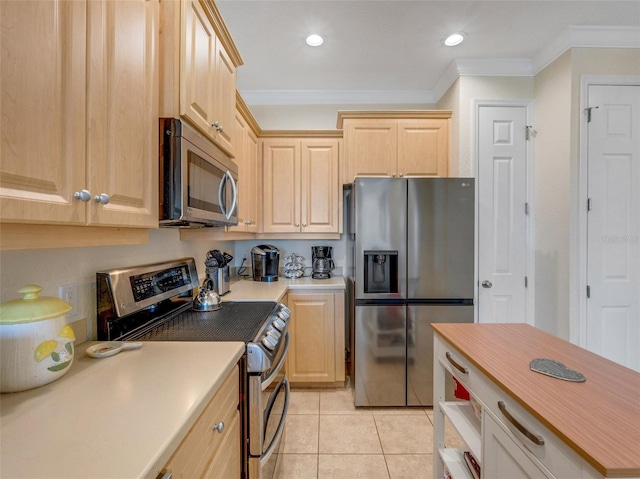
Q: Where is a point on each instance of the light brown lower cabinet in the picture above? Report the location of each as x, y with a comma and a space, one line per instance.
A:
316, 329
211, 449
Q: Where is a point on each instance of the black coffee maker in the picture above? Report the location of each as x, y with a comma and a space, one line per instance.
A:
265, 262
321, 264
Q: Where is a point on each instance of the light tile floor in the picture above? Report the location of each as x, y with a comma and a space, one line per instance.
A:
328, 437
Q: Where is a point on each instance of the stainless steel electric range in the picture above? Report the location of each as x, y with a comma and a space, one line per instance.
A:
154, 303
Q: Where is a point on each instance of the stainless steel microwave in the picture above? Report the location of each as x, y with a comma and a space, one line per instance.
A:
198, 181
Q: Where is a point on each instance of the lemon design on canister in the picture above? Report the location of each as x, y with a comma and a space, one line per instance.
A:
45, 349
67, 332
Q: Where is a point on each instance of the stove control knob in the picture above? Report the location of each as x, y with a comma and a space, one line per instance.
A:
269, 343
284, 313
274, 332
279, 324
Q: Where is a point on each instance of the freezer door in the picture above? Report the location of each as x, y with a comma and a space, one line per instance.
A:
420, 347
380, 365
440, 234
381, 226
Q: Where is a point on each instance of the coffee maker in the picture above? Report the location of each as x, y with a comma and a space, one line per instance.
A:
265, 262
321, 262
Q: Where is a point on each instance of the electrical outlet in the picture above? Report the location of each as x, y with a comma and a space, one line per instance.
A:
69, 294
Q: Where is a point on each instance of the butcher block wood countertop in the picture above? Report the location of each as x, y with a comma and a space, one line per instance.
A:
599, 419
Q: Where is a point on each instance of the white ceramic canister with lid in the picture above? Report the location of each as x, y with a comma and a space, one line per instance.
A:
36, 344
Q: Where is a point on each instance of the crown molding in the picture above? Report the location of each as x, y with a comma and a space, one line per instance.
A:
572, 37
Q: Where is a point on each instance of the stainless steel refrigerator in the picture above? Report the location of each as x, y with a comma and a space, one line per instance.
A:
413, 266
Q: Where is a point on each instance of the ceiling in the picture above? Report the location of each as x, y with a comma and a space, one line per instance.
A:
391, 51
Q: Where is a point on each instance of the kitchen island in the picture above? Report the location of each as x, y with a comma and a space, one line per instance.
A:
532, 424
117, 417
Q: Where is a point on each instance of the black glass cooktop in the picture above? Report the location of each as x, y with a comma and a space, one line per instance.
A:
235, 321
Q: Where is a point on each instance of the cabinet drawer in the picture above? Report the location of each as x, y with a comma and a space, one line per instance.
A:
198, 448
454, 362
527, 432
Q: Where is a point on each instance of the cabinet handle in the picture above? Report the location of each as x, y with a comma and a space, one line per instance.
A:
297, 225
534, 438
401, 175
217, 126
102, 199
456, 365
393, 175
84, 195
304, 225
218, 427
248, 222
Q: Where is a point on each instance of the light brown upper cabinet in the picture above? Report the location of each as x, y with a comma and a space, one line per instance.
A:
79, 113
246, 148
198, 69
395, 144
301, 185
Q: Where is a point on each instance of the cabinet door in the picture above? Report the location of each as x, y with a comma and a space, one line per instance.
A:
423, 147
311, 356
197, 66
122, 141
43, 101
370, 147
227, 462
502, 458
321, 190
224, 106
281, 186
254, 188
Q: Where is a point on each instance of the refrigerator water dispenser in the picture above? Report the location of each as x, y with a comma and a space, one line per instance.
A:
380, 271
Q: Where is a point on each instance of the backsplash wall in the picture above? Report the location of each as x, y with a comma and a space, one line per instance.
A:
51, 268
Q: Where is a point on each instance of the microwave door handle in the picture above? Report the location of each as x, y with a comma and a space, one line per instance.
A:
220, 192
229, 213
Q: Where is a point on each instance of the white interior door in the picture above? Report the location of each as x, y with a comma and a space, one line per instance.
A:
613, 224
502, 222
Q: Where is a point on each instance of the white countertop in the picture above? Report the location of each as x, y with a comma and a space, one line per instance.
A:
118, 417
249, 290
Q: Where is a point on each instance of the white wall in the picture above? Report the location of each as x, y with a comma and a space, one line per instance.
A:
50, 268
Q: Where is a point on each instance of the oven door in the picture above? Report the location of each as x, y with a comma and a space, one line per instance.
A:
269, 395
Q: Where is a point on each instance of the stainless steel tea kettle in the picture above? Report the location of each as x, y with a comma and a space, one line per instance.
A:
207, 299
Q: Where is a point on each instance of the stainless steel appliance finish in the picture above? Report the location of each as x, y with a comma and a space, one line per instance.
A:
414, 265
198, 181
166, 290
265, 262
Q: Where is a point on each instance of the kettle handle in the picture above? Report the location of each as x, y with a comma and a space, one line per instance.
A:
207, 285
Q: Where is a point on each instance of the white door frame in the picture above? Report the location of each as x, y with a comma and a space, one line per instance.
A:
530, 222
578, 244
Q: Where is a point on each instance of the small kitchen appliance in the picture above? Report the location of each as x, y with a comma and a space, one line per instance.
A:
321, 261
154, 303
265, 262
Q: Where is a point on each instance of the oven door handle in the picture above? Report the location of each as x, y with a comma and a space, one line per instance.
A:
276, 437
276, 369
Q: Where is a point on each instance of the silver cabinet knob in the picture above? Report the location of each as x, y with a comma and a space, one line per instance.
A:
297, 225
486, 284
248, 222
217, 126
304, 225
218, 427
393, 175
84, 195
102, 199
401, 175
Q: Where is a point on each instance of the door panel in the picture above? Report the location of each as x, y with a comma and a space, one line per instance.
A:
281, 186
440, 237
501, 215
320, 195
381, 222
380, 356
420, 346
613, 267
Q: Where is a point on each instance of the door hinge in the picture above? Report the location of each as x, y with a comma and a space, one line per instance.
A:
526, 208
588, 292
588, 204
526, 282
529, 132
588, 110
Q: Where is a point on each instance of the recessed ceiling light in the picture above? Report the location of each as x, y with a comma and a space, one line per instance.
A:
314, 40
454, 39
